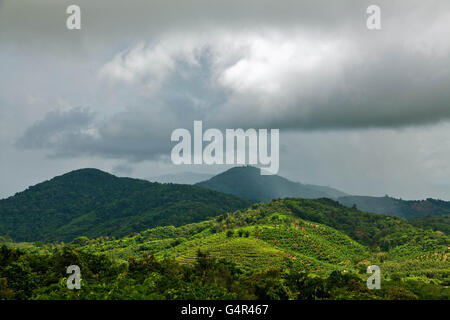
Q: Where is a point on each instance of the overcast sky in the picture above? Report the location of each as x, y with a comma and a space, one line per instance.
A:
365, 111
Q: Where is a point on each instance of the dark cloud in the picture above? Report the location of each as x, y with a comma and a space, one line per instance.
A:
56, 128
309, 68
74, 133
393, 90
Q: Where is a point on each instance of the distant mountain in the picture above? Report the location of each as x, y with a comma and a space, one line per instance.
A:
94, 203
408, 209
182, 178
247, 182
331, 192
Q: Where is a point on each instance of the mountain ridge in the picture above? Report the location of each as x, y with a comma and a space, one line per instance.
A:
181, 178
408, 209
247, 182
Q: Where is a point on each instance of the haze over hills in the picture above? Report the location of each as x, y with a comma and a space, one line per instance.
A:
181, 178
319, 241
246, 182
408, 209
331, 192
90, 202
289, 248
94, 203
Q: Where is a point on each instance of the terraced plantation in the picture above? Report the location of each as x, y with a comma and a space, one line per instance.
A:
320, 238
274, 236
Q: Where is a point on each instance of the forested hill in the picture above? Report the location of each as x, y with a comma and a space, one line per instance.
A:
408, 209
247, 182
436, 223
284, 249
94, 203
181, 178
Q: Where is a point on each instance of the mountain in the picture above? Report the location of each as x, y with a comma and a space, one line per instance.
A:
181, 178
246, 182
94, 203
331, 192
408, 209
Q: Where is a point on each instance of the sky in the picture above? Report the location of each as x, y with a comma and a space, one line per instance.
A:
365, 111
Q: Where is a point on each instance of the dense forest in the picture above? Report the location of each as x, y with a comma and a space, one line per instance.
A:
436, 223
94, 203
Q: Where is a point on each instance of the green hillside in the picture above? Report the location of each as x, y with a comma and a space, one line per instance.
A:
247, 183
320, 231
408, 209
257, 246
436, 223
89, 202
279, 244
285, 249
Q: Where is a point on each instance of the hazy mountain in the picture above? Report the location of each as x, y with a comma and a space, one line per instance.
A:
246, 182
408, 209
182, 178
93, 203
332, 192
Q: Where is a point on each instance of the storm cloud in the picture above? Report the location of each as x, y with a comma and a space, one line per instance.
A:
136, 71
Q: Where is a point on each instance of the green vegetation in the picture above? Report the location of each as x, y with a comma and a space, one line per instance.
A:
408, 209
27, 276
436, 223
286, 249
89, 202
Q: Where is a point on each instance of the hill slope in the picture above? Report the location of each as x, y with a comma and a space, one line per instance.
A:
246, 182
436, 223
408, 209
274, 243
181, 178
317, 236
93, 203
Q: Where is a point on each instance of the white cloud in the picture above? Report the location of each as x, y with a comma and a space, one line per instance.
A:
268, 63
251, 62
149, 65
